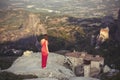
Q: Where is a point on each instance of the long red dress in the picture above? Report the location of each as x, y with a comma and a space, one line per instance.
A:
44, 54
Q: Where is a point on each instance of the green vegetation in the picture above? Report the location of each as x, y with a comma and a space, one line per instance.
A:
11, 76
11, 20
115, 77
6, 62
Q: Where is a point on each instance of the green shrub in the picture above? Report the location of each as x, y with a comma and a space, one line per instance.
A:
11, 76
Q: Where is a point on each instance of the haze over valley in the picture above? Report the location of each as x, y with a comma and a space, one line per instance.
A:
79, 8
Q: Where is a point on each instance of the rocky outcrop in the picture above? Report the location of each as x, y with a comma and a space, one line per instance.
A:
82, 78
72, 78
42, 79
32, 65
83, 63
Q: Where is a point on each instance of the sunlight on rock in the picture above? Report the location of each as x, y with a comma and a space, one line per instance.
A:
27, 53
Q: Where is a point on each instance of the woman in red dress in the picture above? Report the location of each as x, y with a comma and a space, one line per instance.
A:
44, 50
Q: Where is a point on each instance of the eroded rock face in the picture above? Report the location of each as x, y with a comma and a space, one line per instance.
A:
84, 64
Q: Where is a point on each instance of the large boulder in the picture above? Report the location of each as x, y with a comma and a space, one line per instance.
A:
82, 78
72, 78
42, 79
31, 64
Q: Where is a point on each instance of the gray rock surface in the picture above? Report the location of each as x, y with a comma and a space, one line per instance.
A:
32, 65
82, 78
73, 78
42, 79
106, 69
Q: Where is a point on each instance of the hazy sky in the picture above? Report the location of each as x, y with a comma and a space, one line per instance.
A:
3, 3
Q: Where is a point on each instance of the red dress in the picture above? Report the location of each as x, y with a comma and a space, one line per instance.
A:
44, 54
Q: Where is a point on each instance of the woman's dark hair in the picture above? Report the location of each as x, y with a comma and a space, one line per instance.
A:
45, 36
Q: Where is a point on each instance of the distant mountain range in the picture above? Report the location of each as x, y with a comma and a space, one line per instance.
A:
81, 8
